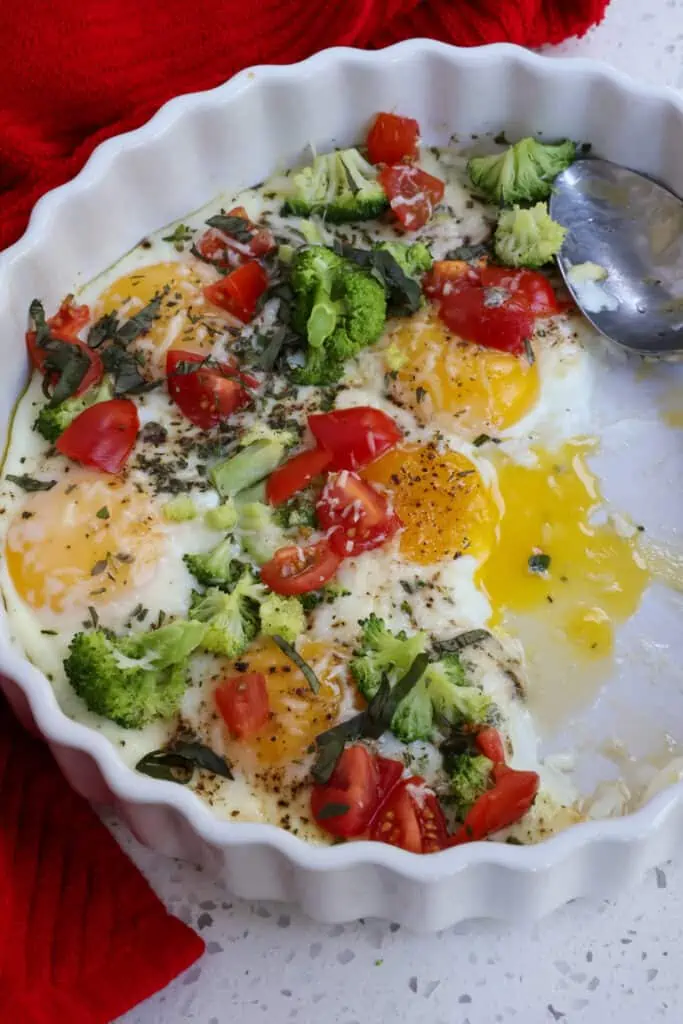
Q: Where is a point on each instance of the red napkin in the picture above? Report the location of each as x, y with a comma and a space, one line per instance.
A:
82, 936
91, 68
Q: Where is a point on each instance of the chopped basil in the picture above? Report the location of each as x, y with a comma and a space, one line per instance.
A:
238, 228
103, 513
117, 360
68, 361
332, 810
29, 483
305, 668
481, 439
404, 294
178, 761
180, 235
457, 643
539, 563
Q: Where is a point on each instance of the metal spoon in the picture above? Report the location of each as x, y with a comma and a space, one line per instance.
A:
633, 228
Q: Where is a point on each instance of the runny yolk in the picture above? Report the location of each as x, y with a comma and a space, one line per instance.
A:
473, 388
440, 498
595, 576
185, 319
298, 714
84, 542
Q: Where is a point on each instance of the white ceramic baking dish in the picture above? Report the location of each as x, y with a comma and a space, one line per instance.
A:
195, 147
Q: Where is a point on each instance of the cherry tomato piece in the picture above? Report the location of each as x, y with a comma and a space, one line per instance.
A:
354, 437
239, 292
243, 702
345, 805
295, 474
412, 194
69, 319
206, 396
411, 818
102, 436
357, 517
489, 742
393, 139
224, 250
297, 570
389, 773
512, 795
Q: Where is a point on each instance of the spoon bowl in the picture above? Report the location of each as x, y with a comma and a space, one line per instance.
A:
632, 228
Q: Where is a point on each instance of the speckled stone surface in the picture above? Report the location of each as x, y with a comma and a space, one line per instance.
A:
585, 964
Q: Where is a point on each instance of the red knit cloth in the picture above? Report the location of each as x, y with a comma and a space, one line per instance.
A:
74, 72
82, 936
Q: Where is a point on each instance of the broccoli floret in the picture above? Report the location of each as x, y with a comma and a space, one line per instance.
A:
470, 778
414, 260
223, 517
340, 186
382, 651
524, 173
338, 308
232, 620
414, 716
259, 533
180, 509
326, 595
53, 420
282, 616
249, 465
218, 567
450, 695
528, 237
134, 679
298, 511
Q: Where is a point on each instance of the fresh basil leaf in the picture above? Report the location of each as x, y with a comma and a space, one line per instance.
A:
332, 810
142, 321
29, 483
382, 707
70, 362
36, 311
125, 370
236, 227
469, 253
330, 744
404, 294
164, 764
306, 670
104, 329
268, 358
457, 643
202, 757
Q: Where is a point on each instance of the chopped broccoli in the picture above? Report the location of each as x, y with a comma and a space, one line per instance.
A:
53, 420
282, 616
133, 679
262, 432
394, 358
340, 186
413, 259
259, 531
232, 620
338, 308
180, 509
524, 173
298, 511
249, 465
441, 690
528, 237
326, 595
470, 778
218, 567
381, 652
223, 517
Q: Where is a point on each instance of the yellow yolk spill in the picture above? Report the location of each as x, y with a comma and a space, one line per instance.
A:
480, 388
595, 577
185, 320
298, 714
440, 498
82, 543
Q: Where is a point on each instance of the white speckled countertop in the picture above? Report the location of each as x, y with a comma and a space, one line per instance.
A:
586, 964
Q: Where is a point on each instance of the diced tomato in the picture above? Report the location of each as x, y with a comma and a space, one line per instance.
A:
345, 805
206, 396
296, 570
393, 139
411, 817
491, 306
354, 437
356, 516
221, 249
243, 702
389, 773
102, 436
412, 194
239, 292
229, 365
512, 795
489, 742
69, 319
295, 474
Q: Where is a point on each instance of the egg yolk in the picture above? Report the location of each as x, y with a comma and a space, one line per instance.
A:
594, 577
185, 318
298, 714
441, 500
84, 542
442, 377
